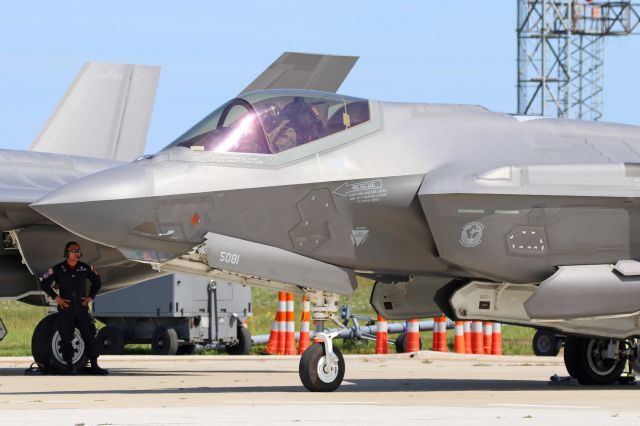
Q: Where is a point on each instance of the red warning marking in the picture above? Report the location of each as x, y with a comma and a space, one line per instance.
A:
195, 219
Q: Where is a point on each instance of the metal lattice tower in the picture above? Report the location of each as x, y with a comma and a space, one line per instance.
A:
561, 54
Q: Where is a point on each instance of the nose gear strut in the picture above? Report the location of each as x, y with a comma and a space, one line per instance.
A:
322, 365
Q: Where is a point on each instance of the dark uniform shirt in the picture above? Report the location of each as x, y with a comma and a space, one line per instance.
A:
71, 282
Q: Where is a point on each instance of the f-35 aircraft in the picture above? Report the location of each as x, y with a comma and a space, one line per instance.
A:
450, 208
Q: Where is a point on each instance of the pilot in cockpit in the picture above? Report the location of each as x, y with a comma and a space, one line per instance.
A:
297, 123
280, 133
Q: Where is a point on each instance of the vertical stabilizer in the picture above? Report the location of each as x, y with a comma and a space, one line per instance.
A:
104, 114
310, 71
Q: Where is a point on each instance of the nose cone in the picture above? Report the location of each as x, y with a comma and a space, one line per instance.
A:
99, 207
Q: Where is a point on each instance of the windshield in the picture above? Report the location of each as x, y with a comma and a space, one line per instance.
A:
268, 122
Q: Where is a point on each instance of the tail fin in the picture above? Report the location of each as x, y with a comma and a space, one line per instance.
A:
104, 114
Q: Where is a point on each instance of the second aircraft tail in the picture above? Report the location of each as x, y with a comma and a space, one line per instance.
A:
104, 114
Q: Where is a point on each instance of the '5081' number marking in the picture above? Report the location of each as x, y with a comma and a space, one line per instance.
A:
228, 257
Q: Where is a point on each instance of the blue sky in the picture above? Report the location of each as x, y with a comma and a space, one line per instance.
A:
424, 51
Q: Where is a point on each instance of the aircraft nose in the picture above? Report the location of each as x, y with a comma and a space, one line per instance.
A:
98, 207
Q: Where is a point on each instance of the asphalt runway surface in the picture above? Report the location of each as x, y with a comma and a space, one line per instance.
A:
394, 389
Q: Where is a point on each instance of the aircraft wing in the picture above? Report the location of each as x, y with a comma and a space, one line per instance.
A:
26, 176
308, 71
104, 114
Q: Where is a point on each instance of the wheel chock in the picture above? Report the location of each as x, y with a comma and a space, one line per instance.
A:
562, 380
35, 369
628, 380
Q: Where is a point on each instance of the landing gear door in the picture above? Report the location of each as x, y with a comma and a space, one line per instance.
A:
409, 299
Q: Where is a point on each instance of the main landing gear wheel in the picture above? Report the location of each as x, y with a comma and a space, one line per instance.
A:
46, 346
317, 373
591, 361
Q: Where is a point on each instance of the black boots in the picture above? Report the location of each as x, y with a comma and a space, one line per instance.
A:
95, 369
69, 369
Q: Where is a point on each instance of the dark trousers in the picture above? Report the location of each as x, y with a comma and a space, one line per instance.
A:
68, 320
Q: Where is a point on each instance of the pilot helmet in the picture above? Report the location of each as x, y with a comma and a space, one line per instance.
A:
270, 115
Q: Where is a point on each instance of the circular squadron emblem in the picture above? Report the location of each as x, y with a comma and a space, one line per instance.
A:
471, 234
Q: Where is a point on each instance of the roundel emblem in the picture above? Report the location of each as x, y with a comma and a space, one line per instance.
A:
471, 234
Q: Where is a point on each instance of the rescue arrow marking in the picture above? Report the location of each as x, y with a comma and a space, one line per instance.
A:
348, 188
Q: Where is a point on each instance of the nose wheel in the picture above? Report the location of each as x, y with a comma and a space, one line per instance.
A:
321, 367
319, 371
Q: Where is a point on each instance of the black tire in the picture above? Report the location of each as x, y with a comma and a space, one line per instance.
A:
45, 337
164, 341
187, 349
309, 370
243, 345
584, 361
401, 343
110, 340
545, 343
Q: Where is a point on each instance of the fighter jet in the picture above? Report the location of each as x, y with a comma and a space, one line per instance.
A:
457, 209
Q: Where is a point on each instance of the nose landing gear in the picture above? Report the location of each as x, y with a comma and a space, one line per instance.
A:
322, 367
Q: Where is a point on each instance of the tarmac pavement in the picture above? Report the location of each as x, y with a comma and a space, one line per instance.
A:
394, 389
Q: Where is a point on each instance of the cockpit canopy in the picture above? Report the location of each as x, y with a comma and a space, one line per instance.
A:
272, 121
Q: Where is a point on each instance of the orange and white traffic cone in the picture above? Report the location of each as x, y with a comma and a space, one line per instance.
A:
487, 331
442, 334
458, 341
413, 336
477, 344
290, 339
467, 337
282, 321
272, 344
382, 336
435, 334
304, 341
496, 339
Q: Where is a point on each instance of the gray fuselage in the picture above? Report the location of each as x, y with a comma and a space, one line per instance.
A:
354, 198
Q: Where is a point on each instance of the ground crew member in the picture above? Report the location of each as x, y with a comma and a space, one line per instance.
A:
73, 302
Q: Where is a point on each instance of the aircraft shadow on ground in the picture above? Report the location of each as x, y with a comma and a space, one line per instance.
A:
144, 372
357, 386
